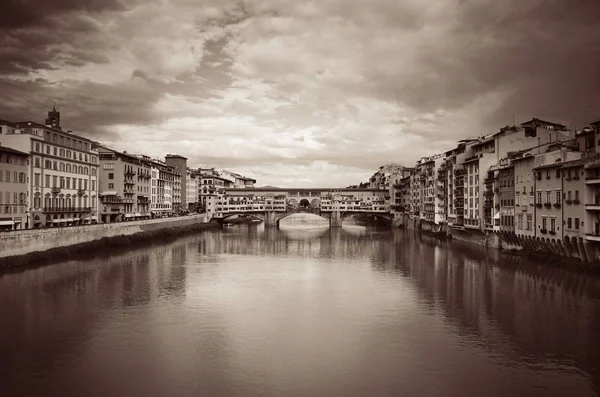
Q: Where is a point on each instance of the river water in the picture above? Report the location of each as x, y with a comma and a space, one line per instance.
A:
301, 311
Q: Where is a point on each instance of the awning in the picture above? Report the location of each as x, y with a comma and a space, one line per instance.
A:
87, 218
69, 219
7, 223
138, 214
128, 216
94, 218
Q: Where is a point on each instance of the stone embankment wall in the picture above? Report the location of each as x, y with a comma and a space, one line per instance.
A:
574, 250
28, 241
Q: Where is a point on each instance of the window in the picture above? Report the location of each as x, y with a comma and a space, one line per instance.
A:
548, 174
553, 225
55, 152
576, 194
544, 223
37, 162
558, 196
111, 185
576, 223
111, 175
529, 221
37, 146
520, 221
7, 178
518, 202
539, 197
569, 195
68, 183
47, 181
36, 180
54, 181
569, 223
548, 197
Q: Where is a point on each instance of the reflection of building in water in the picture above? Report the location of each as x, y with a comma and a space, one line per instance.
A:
528, 311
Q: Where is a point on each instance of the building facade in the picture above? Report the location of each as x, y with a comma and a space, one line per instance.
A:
14, 167
124, 186
63, 173
179, 187
163, 180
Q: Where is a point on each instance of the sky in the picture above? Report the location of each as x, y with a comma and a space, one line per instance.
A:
298, 93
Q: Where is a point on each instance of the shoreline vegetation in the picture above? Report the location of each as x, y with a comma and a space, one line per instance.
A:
103, 247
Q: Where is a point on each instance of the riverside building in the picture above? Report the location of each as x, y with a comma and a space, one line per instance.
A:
14, 166
124, 186
163, 180
62, 186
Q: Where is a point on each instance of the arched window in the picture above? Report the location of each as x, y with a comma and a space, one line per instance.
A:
62, 166
80, 169
48, 164
68, 167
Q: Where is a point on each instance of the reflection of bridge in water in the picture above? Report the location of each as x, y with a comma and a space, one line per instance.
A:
271, 205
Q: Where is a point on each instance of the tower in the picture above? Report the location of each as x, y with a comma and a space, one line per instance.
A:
53, 119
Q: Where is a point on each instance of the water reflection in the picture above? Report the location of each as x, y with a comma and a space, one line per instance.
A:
311, 311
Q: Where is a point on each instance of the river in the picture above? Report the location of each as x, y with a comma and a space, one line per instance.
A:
301, 311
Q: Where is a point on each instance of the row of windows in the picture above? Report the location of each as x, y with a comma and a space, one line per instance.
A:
17, 198
17, 177
64, 167
528, 225
12, 159
65, 204
63, 182
14, 209
65, 141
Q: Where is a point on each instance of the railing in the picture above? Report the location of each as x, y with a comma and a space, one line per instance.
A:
80, 192
576, 201
547, 205
55, 190
66, 209
129, 171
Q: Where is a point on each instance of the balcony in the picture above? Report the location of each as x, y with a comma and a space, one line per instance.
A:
552, 232
547, 205
80, 192
543, 231
576, 201
55, 190
54, 210
538, 205
129, 171
592, 179
593, 207
128, 182
556, 205
568, 201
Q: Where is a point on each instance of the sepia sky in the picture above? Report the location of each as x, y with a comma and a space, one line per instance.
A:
298, 93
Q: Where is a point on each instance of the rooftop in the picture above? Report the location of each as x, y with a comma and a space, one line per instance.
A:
5, 149
539, 122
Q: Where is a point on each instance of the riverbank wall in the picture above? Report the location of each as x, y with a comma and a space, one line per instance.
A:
571, 252
19, 243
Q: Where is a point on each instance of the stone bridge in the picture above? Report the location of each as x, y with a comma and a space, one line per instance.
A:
272, 218
271, 205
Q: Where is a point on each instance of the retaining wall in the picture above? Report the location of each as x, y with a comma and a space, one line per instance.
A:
27, 241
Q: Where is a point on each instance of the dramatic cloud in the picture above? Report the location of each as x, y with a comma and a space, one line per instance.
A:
299, 93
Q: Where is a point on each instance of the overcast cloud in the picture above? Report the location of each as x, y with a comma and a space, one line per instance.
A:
298, 93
